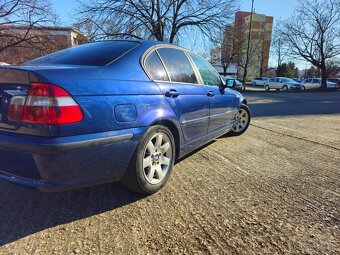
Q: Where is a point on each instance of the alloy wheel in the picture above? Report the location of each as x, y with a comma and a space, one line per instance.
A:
157, 158
242, 119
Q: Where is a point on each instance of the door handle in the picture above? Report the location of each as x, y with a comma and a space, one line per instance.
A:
210, 94
172, 93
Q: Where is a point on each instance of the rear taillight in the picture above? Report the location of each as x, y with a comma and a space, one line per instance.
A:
45, 104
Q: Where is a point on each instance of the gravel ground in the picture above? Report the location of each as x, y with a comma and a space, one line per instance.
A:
273, 190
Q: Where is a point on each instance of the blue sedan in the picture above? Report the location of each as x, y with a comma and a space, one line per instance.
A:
121, 110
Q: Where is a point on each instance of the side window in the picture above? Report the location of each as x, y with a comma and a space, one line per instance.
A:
316, 81
307, 81
272, 80
155, 67
207, 71
177, 65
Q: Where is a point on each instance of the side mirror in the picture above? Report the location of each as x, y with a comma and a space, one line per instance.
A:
230, 83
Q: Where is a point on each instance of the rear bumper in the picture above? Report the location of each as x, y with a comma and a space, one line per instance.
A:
63, 163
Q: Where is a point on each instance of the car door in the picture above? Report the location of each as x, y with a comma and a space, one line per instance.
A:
278, 83
316, 83
223, 106
177, 80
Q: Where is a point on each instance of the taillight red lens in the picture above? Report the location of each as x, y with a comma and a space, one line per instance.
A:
45, 104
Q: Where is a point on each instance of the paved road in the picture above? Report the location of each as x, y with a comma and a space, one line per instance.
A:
273, 190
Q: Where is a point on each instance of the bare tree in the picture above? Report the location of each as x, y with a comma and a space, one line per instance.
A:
162, 20
28, 14
333, 67
313, 32
278, 46
231, 46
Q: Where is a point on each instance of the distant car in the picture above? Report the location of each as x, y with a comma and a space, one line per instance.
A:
108, 111
3, 64
297, 80
282, 83
260, 81
236, 85
335, 80
315, 83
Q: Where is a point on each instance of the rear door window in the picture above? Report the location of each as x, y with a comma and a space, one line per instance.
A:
155, 67
177, 65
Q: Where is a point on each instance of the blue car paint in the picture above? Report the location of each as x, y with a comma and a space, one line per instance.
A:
61, 157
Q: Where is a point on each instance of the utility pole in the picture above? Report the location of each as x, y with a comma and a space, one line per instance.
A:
248, 48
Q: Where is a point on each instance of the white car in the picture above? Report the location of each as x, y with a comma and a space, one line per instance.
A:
259, 81
315, 83
282, 83
4, 64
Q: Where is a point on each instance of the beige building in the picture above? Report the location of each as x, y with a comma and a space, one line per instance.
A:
43, 40
260, 39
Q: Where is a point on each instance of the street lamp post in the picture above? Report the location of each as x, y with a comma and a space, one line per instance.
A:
248, 47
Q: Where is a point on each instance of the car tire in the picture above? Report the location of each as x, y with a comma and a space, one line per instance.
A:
303, 88
146, 174
242, 120
266, 87
285, 88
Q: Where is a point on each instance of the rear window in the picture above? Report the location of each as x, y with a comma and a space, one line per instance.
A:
91, 54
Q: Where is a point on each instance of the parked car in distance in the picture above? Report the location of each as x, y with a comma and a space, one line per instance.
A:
297, 80
121, 110
335, 80
3, 64
315, 83
283, 83
259, 81
236, 83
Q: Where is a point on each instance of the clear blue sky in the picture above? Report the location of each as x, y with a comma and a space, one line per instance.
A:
280, 9
276, 8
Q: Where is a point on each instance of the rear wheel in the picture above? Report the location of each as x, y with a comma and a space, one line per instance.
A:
153, 161
285, 88
242, 120
266, 87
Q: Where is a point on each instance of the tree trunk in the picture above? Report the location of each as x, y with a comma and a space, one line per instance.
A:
225, 70
323, 76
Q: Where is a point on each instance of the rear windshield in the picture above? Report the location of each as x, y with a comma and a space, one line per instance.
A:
91, 54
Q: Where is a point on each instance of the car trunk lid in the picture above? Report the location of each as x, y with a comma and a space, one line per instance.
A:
13, 82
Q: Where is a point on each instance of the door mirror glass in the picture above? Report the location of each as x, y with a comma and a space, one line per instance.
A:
230, 83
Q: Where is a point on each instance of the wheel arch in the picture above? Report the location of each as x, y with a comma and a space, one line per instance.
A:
173, 129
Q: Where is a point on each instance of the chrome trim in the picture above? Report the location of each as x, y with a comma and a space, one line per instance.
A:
221, 114
185, 122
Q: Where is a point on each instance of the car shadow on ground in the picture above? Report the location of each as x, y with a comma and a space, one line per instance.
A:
24, 211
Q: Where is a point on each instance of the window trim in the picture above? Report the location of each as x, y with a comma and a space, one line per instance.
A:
196, 69
159, 46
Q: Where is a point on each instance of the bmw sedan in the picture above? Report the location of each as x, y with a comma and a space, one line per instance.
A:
283, 83
121, 110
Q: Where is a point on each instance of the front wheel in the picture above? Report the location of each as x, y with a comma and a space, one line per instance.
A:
266, 87
153, 161
303, 88
285, 88
242, 120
